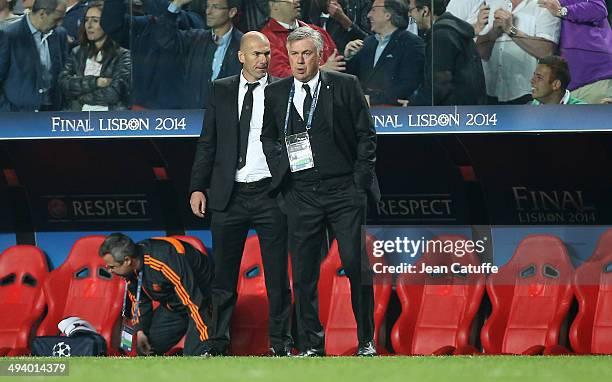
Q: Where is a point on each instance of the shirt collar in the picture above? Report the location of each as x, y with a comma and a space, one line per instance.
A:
243, 81
565, 98
289, 26
312, 83
35, 31
222, 40
383, 40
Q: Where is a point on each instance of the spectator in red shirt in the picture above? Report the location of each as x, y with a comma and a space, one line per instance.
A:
283, 19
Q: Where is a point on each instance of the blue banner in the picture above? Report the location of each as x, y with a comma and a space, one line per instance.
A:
394, 120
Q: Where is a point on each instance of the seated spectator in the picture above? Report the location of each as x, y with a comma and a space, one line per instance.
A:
344, 20
73, 19
518, 33
453, 70
31, 58
98, 72
283, 19
390, 63
6, 13
156, 82
550, 81
586, 45
474, 12
205, 54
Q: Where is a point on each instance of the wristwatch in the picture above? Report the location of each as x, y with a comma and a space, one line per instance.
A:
513, 31
562, 12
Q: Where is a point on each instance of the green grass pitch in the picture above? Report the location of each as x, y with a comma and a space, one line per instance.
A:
335, 369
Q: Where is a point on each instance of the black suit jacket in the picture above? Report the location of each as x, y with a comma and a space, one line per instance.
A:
195, 50
343, 108
398, 71
21, 73
216, 158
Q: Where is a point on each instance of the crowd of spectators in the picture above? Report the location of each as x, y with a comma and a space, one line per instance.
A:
160, 54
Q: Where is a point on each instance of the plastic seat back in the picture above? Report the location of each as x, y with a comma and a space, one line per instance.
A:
83, 287
23, 270
335, 309
591, 331
530, 297
438, 309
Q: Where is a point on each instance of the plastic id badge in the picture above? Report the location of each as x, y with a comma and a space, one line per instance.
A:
299, 152
127, 334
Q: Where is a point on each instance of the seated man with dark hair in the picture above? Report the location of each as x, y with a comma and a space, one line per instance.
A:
32, 54
390, 63
168, 271
550, 81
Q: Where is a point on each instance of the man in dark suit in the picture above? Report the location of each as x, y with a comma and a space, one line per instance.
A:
390, 63
231, 165
205, 54
32, 53
320, 144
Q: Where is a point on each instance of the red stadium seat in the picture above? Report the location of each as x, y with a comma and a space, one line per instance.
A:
83, 287
194, 241
530, 297
604, 246
591, 331
335, 309
23, 270
249, 327
438, 310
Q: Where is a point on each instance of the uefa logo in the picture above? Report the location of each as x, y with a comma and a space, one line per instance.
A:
57, 208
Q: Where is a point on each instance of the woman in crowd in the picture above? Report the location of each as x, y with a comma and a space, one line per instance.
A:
97, 75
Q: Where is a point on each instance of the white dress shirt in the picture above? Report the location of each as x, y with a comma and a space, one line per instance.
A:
509, 70
256, 167
300, 94
466, 10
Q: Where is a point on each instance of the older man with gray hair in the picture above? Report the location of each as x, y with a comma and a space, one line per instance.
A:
320, 145
32, 53
389, 63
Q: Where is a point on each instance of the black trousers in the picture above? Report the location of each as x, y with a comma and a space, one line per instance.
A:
168, 327
250, 206
310, 205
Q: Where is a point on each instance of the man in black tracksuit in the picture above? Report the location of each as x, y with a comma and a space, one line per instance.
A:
174, 274
453, 70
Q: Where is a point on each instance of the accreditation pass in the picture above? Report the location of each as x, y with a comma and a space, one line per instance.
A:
299, 152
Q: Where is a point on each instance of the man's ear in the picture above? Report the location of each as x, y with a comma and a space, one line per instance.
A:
233, 12
556, 85
426, 11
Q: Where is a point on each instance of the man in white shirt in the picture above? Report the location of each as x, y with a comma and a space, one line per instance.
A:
474, 12
518, 33
230, 177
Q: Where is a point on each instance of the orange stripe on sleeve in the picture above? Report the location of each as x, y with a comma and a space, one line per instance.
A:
181, 292
180, 248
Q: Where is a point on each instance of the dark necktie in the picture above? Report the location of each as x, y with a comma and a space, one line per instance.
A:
307, 102
245, 123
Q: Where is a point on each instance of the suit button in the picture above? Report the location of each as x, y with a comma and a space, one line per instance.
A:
41, 91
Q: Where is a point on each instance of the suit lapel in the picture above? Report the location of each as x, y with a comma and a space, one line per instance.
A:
28, 40
324, 113
381, 60
282, 106
233, 97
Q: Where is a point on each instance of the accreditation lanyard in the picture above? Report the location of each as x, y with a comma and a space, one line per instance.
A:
310, 112
125, 292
